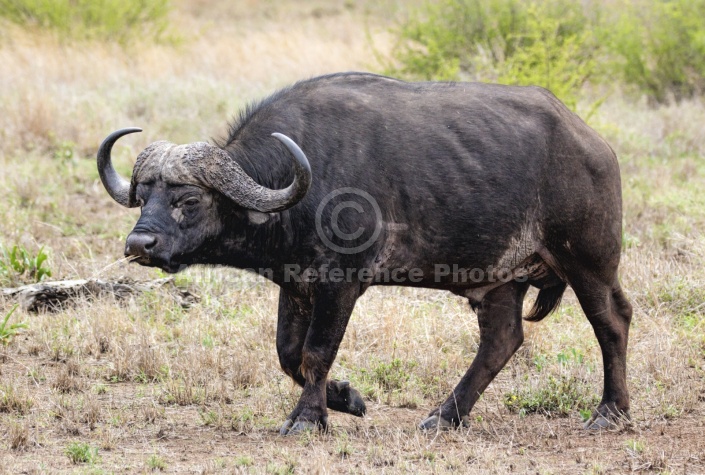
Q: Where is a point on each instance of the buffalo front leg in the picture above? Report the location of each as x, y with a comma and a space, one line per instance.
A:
501, 334
307, 343
293, 324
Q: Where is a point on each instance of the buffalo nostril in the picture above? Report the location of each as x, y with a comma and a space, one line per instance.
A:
138, 244
151, 243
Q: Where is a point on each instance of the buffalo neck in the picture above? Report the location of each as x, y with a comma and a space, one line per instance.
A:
263, 243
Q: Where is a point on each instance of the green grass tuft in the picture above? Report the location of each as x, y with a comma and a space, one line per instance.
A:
80, 452
156, 463
559, 396
18, 265
9, 331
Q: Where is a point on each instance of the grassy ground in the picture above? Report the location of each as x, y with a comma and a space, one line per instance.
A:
147, 385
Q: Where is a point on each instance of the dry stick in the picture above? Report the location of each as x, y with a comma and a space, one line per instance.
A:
281, 398
53, 226
122, 260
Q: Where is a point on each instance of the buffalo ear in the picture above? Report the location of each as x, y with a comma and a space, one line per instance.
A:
257, 217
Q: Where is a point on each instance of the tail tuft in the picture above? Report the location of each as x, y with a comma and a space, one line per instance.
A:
546, 302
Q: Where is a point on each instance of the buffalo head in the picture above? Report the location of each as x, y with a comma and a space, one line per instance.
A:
182, 191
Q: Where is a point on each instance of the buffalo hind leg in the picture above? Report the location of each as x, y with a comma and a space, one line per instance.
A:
308, 337
501, 334
610, 314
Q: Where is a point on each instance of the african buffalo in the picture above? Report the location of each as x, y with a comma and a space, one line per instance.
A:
479, 189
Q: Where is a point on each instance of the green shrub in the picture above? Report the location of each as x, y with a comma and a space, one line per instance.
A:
656, 47
114, 20
507, 41
550, 55
444, 39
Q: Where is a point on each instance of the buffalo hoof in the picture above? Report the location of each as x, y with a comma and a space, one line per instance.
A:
435, 422
344, 398
298, 427
606, 419
599, 422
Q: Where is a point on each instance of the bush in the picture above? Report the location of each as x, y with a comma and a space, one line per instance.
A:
655, 47
507, 41
658, 47
114, 20
552, 54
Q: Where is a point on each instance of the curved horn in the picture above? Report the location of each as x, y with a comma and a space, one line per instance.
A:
118, 188
225, 175
292, 194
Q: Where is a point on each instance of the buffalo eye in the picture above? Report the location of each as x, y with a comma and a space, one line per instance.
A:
190, 202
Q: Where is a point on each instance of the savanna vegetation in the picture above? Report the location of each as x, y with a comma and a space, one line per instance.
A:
645, 48
149, 384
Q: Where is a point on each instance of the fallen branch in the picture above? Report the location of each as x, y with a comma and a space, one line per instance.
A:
53, 296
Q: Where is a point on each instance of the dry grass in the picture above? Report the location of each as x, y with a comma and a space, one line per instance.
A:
150, 384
